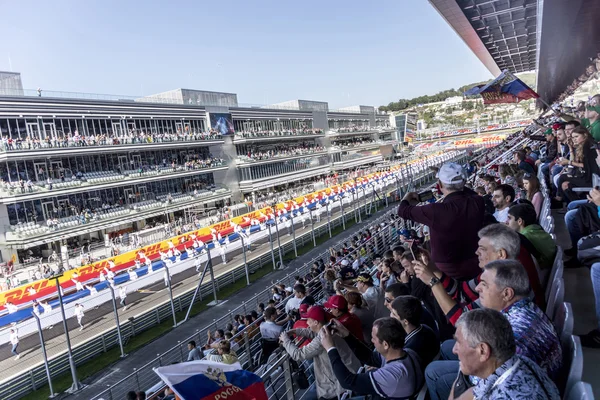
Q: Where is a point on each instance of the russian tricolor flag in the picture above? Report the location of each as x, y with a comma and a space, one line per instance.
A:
206, 380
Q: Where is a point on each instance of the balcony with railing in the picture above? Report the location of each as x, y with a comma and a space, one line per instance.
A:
104, 216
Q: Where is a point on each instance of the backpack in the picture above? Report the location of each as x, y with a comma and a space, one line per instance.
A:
588, 249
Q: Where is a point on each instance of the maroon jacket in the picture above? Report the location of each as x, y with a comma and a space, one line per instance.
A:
453, 226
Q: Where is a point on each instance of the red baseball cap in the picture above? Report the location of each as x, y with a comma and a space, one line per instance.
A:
336, 301
317, 313
303, 310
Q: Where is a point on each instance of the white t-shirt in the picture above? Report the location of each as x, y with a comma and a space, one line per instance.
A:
14, 337
501, 215
293, 304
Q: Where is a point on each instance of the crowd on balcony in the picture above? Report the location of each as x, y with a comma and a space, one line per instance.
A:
262, 153
352, 128
132, 136
353, 143
255, 133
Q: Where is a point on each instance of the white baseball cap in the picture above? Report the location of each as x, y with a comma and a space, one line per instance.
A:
451, 173
344, 262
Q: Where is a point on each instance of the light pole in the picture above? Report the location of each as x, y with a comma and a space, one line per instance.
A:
114, 303
312, 227
294, 234
44, 354
76, 386
342, 209
245, 261
278, 242
271, 243
170, 293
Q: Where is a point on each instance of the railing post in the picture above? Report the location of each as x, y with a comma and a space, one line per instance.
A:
289, 386
137, 379
248, 349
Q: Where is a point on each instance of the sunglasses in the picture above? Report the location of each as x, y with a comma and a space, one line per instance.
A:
388, 300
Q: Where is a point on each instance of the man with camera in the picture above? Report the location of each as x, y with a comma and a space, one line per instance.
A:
453, 222
328, 387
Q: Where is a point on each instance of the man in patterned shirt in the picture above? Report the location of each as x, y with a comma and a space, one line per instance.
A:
487, 350
503, 287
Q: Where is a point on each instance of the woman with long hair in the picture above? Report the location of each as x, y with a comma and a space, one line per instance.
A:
531, 184
579, 168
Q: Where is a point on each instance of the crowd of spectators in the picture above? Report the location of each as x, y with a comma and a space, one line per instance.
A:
458, 310
133, 136
261, 153
252, 134
352, 143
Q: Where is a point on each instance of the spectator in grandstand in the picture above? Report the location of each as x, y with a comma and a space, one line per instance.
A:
522, 218
212, 342
488, 351
269, 329
519, 157
531, 184
503, 287
141, 395
371, 294
299, 296
496, 242
194, 352
503, 197
224, 354
580, 168
419, 337
131, 395
338, 308
399, 374
489, 206
357, 307
397, 290
388, 276
454, 254
592, 117
551, 147
327, 386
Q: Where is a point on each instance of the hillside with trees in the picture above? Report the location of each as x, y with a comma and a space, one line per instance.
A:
403, 104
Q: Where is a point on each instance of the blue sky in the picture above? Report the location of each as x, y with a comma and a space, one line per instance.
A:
344, 52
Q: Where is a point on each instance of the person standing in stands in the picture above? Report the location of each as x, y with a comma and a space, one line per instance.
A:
461, 207
503, 197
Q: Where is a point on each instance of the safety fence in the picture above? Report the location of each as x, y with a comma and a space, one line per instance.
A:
35, 378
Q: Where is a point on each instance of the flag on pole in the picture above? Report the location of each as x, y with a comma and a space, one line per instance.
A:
506, 88
207, 380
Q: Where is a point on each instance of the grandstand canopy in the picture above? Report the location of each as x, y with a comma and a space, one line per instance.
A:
501, 33
559, 38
